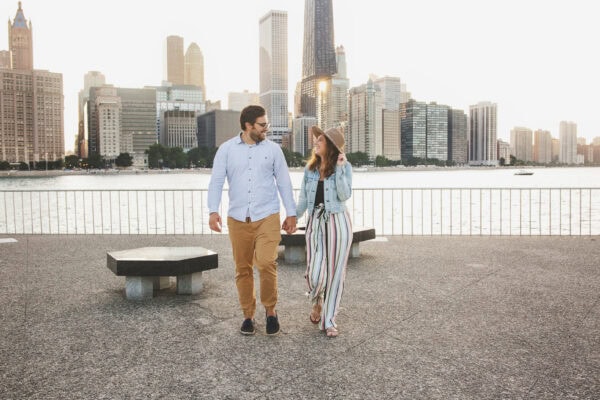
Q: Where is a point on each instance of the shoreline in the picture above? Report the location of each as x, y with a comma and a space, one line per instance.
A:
51, 173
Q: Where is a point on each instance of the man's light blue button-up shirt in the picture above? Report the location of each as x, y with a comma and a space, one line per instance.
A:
255, 173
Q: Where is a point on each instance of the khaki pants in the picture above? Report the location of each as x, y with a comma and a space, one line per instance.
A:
255, 243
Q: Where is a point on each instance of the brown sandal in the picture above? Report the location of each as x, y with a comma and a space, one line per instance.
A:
316, 310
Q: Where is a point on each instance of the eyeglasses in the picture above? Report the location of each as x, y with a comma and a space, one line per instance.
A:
263, 124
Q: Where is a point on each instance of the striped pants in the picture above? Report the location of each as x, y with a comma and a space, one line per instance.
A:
328, 241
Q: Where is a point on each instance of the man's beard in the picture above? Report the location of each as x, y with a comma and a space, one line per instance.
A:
257, 137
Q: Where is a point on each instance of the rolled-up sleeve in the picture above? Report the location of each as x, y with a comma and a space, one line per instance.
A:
343, 181
217, 179
284, 182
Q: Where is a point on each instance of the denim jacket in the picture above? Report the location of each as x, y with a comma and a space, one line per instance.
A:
337, 188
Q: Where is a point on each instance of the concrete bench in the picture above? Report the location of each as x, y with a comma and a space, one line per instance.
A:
295, 244
148, 268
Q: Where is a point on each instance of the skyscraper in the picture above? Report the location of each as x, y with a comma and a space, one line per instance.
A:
521, 143
91, 79
457, 136
365, 105
174, 60
236, 101
340, 84
542, 146
318, 56
194, 67
31, 102
437, 131
413, 125
20, 42
273, 70
483, 134
568, 142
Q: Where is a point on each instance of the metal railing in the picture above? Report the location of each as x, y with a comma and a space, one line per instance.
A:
407, 211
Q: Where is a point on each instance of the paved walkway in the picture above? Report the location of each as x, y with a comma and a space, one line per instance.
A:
421, 318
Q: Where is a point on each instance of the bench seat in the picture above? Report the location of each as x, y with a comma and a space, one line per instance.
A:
148, 268
295, 244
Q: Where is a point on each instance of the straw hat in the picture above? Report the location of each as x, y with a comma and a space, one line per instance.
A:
334, 135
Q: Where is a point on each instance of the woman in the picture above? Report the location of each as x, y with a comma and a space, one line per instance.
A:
327, 184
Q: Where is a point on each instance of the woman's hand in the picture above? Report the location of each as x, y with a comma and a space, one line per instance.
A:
341, 159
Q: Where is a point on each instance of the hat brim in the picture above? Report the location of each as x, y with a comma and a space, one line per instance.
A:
316, 131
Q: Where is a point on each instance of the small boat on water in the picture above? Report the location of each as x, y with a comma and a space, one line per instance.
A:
524, 172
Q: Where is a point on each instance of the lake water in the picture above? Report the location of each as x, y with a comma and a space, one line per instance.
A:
415, 201
403, 178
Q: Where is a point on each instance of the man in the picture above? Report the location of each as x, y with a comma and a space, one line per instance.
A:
256, 170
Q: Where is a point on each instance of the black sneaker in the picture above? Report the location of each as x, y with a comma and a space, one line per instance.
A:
272, 325
248, 327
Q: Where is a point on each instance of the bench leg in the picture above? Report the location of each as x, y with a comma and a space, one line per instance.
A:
189, 283
139, 287
295, 254
354, 250
161, 282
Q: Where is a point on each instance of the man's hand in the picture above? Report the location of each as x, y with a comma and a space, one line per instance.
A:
289, 225
214, 222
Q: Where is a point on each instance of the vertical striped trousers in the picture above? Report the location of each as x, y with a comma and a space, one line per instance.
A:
328, 241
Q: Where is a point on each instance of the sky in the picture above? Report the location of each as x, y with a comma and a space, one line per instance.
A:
537, 60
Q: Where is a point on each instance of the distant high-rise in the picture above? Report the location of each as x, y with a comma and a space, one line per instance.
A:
273, 71
457, 136
391, 120
237, 101
90, 79
176, 97
194, 67
174, 60
437, 131
318, 56
568, 142
503, 152
337, 114
31, 102
414, 129
365, 105
20, 42
121, 120
521, 143
542, 146
391, 91
483, 134
302, 139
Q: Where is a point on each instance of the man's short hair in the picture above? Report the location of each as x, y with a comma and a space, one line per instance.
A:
250, 114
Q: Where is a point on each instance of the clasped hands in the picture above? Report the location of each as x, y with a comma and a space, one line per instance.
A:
289, 225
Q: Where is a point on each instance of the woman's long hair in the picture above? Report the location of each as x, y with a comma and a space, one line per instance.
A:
331, 155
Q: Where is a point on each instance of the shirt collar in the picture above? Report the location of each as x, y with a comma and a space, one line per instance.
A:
241, 141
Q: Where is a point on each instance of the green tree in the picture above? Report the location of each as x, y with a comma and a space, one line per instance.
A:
71, 161
381, 161
4, 165
176, 157
157, 155
357, 159
59, 163
124, 160
293, 159
95, 161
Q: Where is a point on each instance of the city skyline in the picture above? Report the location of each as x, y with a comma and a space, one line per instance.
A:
534, 59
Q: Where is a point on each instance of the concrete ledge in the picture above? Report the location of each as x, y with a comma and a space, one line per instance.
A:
149, 268
295, 244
